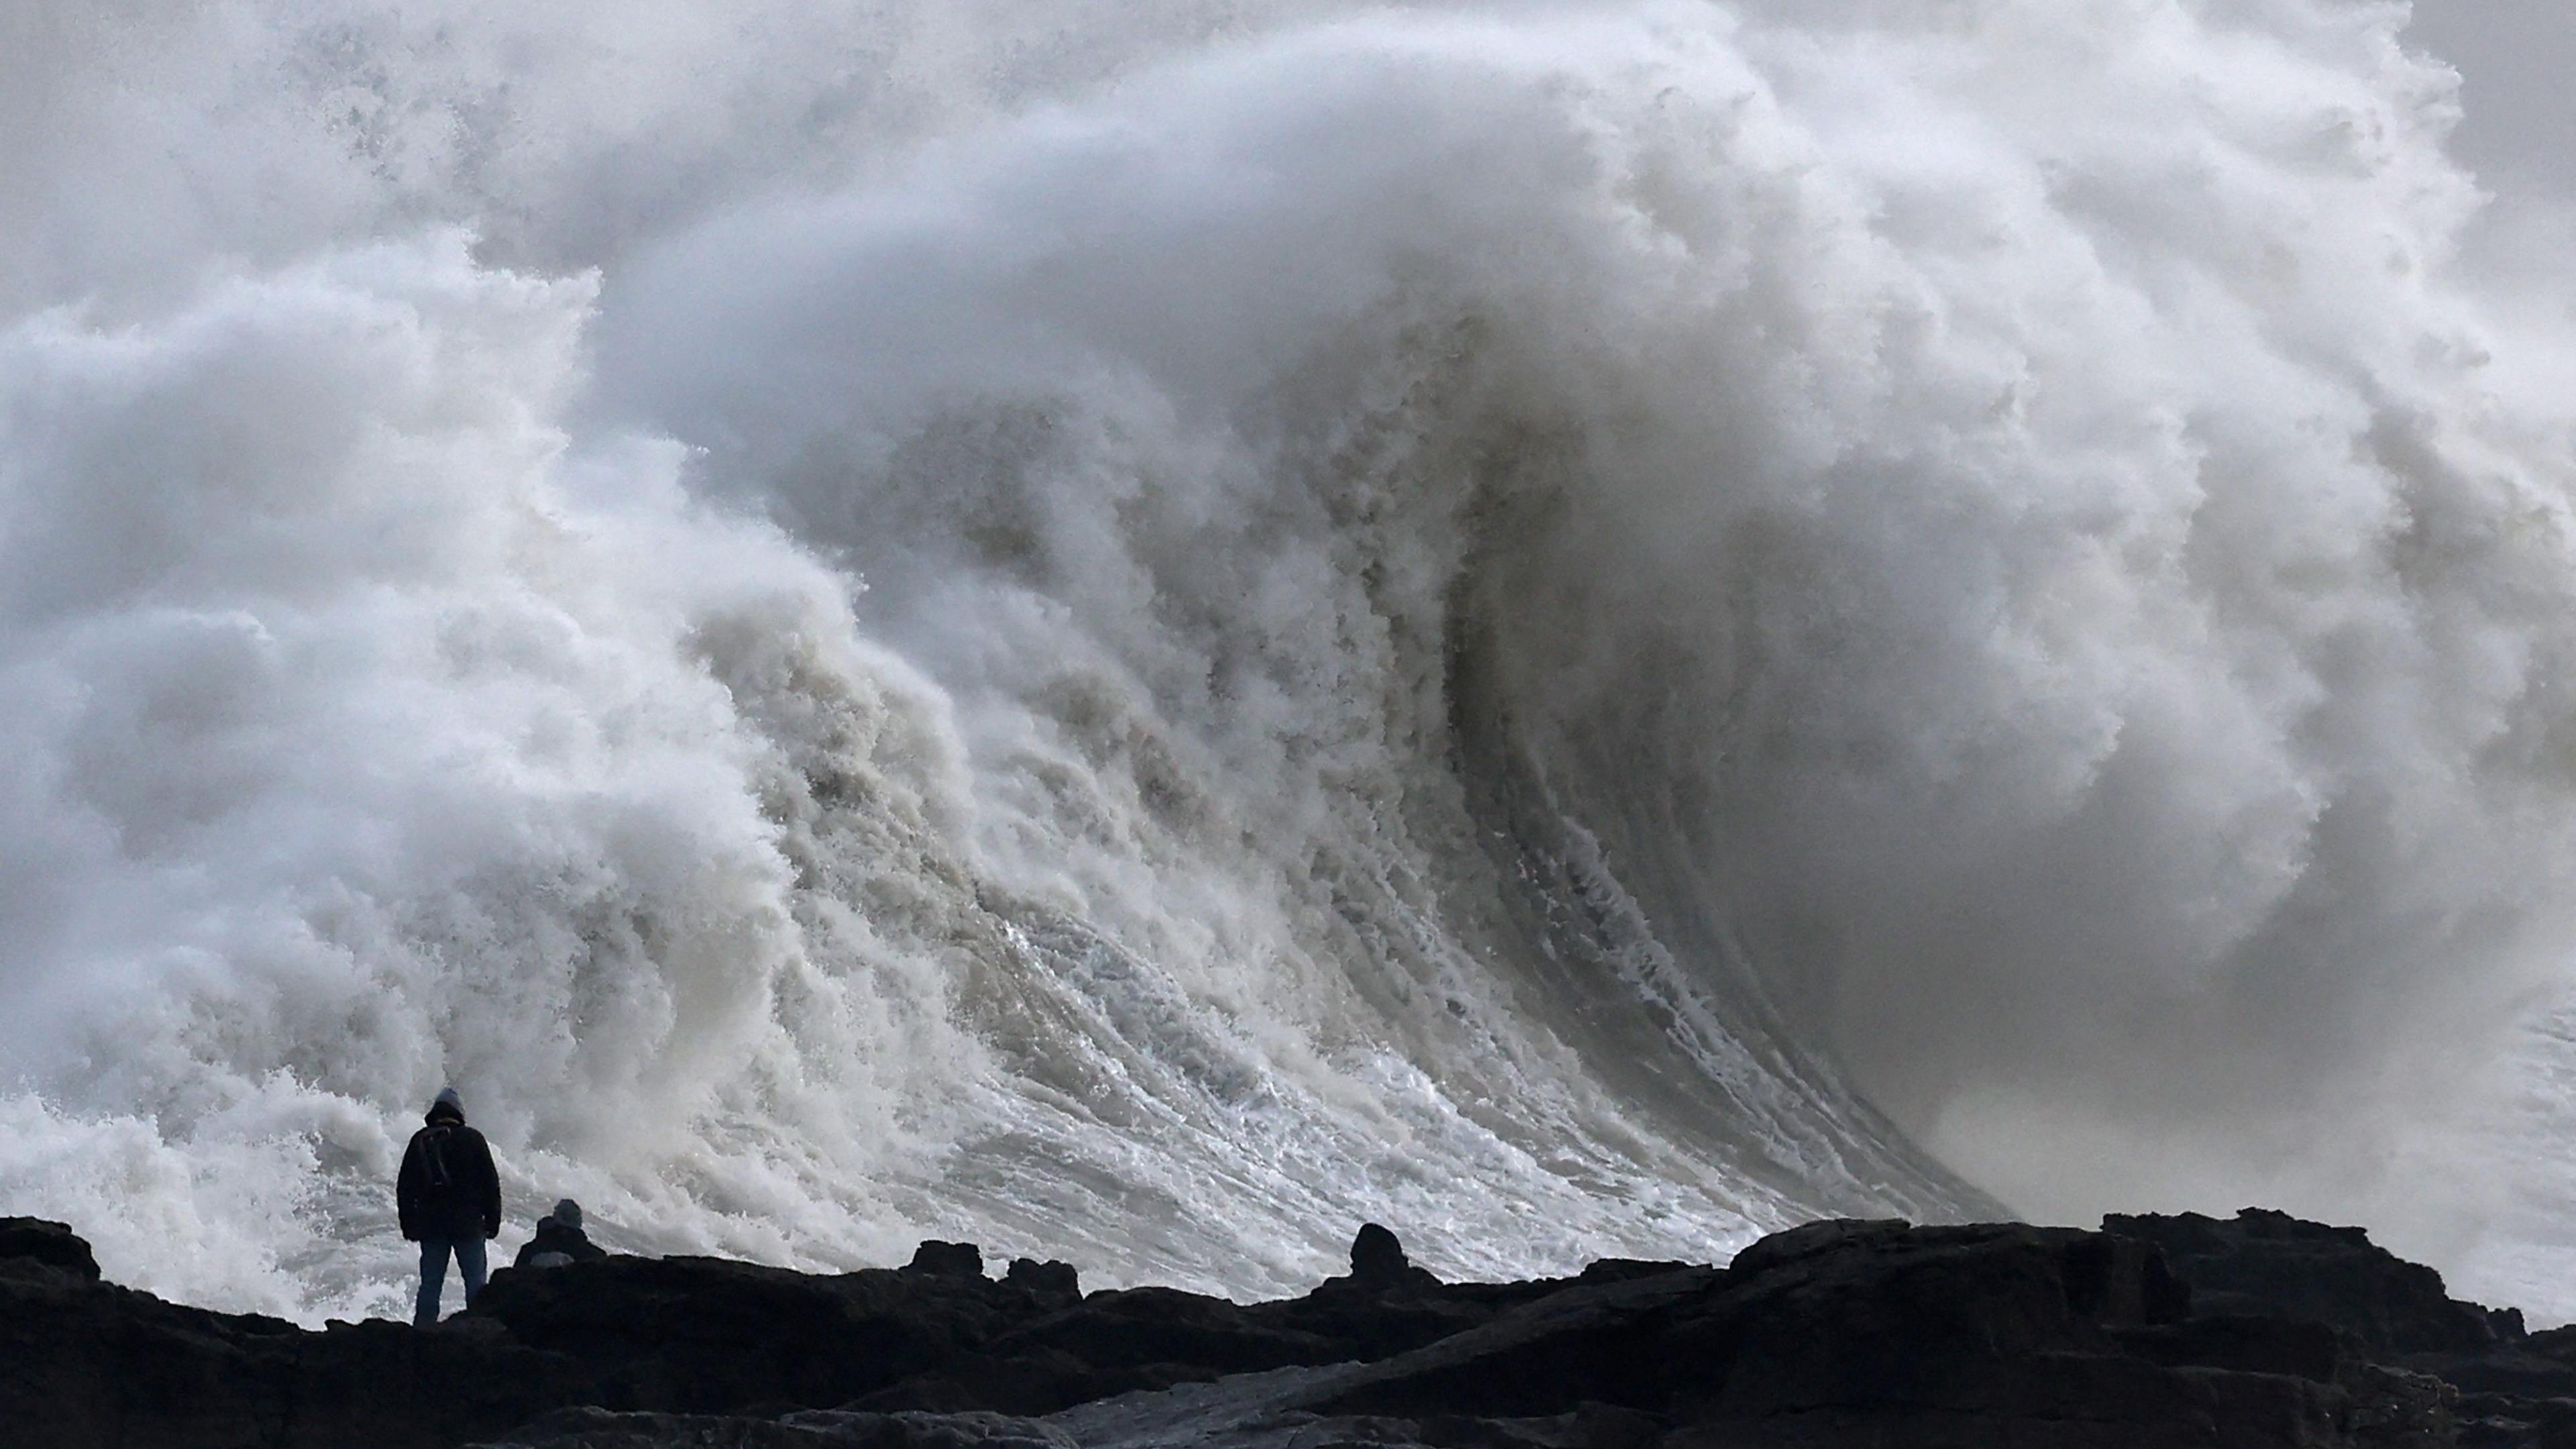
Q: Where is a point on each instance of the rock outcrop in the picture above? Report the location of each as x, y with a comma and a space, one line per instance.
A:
43, 1251
2261, 1332
89, 1364
2272, 1264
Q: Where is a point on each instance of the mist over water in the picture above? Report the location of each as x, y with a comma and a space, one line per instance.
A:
1580, 628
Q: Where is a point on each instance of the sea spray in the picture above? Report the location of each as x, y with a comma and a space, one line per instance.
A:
1583, 628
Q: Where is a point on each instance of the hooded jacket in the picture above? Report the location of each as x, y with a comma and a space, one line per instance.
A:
554, 1235
448, 1188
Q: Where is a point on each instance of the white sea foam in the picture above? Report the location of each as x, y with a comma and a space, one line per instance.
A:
1569, 626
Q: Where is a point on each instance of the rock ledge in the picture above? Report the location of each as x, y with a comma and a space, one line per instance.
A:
2261, 1331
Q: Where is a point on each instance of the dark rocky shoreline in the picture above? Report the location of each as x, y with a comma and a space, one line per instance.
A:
2158, 1331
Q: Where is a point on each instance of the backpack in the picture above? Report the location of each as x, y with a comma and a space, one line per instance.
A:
437, 1178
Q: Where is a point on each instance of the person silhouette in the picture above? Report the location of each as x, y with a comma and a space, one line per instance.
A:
559, 1241
449, 1200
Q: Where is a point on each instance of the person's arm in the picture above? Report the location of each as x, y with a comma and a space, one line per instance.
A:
407, 1192
491, 1188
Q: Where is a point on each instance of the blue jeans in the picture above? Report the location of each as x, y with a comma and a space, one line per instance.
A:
433, 1273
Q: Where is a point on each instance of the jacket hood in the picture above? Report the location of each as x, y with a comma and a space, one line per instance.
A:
446, 1107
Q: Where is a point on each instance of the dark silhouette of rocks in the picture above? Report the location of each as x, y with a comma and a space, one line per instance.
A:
1379, 1266
2262, 1332
950, 1260
89, 1364
2271, 1263
32, 1247
1377, 1257
1051, 1282
588, 1428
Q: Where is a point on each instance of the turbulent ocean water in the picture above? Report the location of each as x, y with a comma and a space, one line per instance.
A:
1143, 632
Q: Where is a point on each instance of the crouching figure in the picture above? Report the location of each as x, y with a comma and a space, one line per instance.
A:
559, 1240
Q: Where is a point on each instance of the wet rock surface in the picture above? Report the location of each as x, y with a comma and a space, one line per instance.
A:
2271, 1263
2255, 1331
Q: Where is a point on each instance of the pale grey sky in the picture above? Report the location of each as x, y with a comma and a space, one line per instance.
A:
2517, 61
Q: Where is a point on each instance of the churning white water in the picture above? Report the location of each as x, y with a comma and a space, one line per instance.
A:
1141, 632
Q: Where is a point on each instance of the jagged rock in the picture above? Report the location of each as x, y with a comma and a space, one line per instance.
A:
1616, 1270
1377, 1256
2271, 1264
85, 1364
588, 1428
2492, 1421
1057, 1282
30, 1245
2310, 1351
1596, 1342
1378, 1267
704, 1335
953, 1260
1378, 1263
1113, 1343
2395, 1409
1592, 1426
1145, 1339
1831, 1335
1868, 1333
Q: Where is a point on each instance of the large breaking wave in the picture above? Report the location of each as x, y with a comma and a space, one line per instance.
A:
1579, 628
